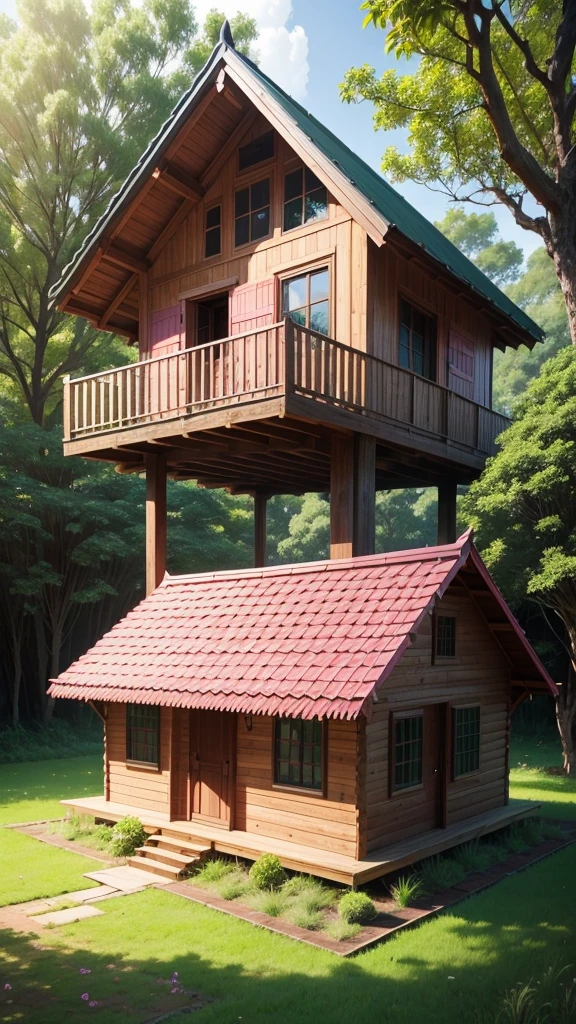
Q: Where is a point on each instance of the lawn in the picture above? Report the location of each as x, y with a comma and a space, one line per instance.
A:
33, 790
32, 870
445, 970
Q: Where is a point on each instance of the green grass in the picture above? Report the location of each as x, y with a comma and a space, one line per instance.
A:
60, 739
33, 790
33, 870
447, 969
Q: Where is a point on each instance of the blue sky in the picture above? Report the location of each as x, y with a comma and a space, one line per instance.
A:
323, 38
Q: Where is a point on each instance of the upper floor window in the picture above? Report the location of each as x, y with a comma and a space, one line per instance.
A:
256, 151
298, 752
417, 341
213, 232
305, 198
252, 212
305, 299
446, 636
143, 734
466, 739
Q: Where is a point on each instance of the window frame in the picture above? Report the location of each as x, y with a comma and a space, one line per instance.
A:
129, 758
453, 726
432, 316
291, 168
207, 210
294, 787
307, 270
436, 657
247, 181
265, 161
396, 716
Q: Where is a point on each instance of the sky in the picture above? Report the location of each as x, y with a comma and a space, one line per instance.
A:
306, 46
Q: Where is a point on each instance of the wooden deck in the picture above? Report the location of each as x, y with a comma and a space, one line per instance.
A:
295, 857
279, 370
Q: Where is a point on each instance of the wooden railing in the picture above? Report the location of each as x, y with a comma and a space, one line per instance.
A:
279, 359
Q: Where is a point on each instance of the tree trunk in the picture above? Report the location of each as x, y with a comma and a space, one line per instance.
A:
562, 248
16, 683
565, 720
54, 670
41, 659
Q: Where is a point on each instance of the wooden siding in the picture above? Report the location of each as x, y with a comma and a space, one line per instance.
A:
479, 674
138, 787
390, 276
328, 823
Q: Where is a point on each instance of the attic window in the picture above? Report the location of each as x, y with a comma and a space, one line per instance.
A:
305, 198
213, 232
252, 212
256, 151
446, 636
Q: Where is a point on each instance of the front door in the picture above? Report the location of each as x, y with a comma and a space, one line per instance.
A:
212, 747
207, 321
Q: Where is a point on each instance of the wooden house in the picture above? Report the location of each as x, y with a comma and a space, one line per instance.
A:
300, 327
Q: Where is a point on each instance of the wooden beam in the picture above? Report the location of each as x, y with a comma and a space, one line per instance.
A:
341, 496
117, 301
173, 179
155, 521
260, 532
143, 316
172, 226
122, 258
447, 491
364, 494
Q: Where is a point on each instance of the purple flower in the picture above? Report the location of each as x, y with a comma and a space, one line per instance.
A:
175, 978
174, 990
7, 987
85, 997
92, 1003
85, 970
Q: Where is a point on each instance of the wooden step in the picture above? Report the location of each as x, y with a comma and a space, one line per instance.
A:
182, 845
156, 867
180, 860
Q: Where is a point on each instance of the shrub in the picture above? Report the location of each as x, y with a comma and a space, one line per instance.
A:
126, 836
213, 871
439, 873
513, 840
312, 895
268, 901
532, 831
341, 930
471, 857
357, 908
299, 883
406, 889
303, 917
267, 872
495, 851
232, 885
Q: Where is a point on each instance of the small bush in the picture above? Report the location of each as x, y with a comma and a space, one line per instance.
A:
532, 831
126, 836
357, 908
341, 930
514, 841
267, 872
268, 901
313, 896
298, 884
407, 889
233, 885
472, 857
439, 873
213, 871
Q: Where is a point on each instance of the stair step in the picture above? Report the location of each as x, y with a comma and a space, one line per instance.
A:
183, 845
155, 866
167, 856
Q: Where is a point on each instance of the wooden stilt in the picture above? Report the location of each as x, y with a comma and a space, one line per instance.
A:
341, 496
447, 512
364, 495
260, 533
155, 521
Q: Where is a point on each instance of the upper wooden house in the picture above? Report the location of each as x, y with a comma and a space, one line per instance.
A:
299, 325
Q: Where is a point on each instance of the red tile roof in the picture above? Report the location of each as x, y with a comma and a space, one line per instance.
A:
299, 640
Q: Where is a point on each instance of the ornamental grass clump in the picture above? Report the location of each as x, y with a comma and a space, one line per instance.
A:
267, 872
272, 902
213, 871
232, 885
304, 917
439, 873
127, 835
356, 908
406, 889
472, 857
340, 930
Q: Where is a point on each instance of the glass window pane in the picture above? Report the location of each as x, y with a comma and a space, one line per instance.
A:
242, 202
260, 194
212, 247
299, 316
311, 181
303, 765
242, 231
294, 293
255, 151
319, 286
316, 206
293, 185
319, 317
292, 214
260, 224
213, 217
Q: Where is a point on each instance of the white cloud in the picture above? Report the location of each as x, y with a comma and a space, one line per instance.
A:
282, 49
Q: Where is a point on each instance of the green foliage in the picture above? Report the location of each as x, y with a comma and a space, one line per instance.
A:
305, 917
82, 829
472, 856
127, 835
356, 908
550, 1000
268, 901
243, 30
213, 871
439, 873
267, 872
340, 930
59, 739
232, 885
406, 889
476, 234
308, 892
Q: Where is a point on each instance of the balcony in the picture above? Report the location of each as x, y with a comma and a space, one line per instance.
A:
278, 371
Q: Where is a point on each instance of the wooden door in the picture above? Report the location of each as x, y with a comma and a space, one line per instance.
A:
461, 365
251, 306
167, 390
212, 757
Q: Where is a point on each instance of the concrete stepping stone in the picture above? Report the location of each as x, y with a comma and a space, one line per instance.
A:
78, 913
88, 895
127, 879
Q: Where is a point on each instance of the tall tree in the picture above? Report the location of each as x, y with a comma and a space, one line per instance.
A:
476, 234
523, 508
490, 107
81, 95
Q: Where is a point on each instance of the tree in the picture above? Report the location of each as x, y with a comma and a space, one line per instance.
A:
489, 106
476, 234
523, 508
80, 97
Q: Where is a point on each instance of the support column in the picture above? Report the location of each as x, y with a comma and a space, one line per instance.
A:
447, 512
260, 531
365, 495
155, 521
352, 495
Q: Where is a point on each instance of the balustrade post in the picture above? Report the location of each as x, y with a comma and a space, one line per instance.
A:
289, 354
66, 407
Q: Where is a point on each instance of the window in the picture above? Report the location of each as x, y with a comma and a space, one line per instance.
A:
213, 232
254, 152
142, 733
298, 753
407, 769
304, 198
417, 341
305, 299
466, 732
446, 636
252, 212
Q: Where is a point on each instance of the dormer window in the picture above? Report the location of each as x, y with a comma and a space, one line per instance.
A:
256, 151
213, 232
305, 198
252, 212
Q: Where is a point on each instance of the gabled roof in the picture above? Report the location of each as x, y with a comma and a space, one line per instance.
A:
366, 195
299, 640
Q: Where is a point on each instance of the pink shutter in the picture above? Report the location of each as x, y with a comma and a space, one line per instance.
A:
461, 365
166, 381
165, 331
251, 306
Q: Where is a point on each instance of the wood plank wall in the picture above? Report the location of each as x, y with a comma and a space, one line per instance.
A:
336, 242
390, 275
298, 817
137, 787
478, 674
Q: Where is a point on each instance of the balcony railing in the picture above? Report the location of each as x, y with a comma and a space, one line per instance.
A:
278, 360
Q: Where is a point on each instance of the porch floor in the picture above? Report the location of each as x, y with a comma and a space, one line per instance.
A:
308, 859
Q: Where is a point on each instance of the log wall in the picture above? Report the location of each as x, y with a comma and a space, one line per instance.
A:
138, 787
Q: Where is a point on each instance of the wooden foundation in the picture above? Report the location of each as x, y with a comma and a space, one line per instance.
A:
447, 512
260, 531
155, 521
352, 495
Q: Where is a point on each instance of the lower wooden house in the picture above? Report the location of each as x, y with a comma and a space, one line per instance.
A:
351, 716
